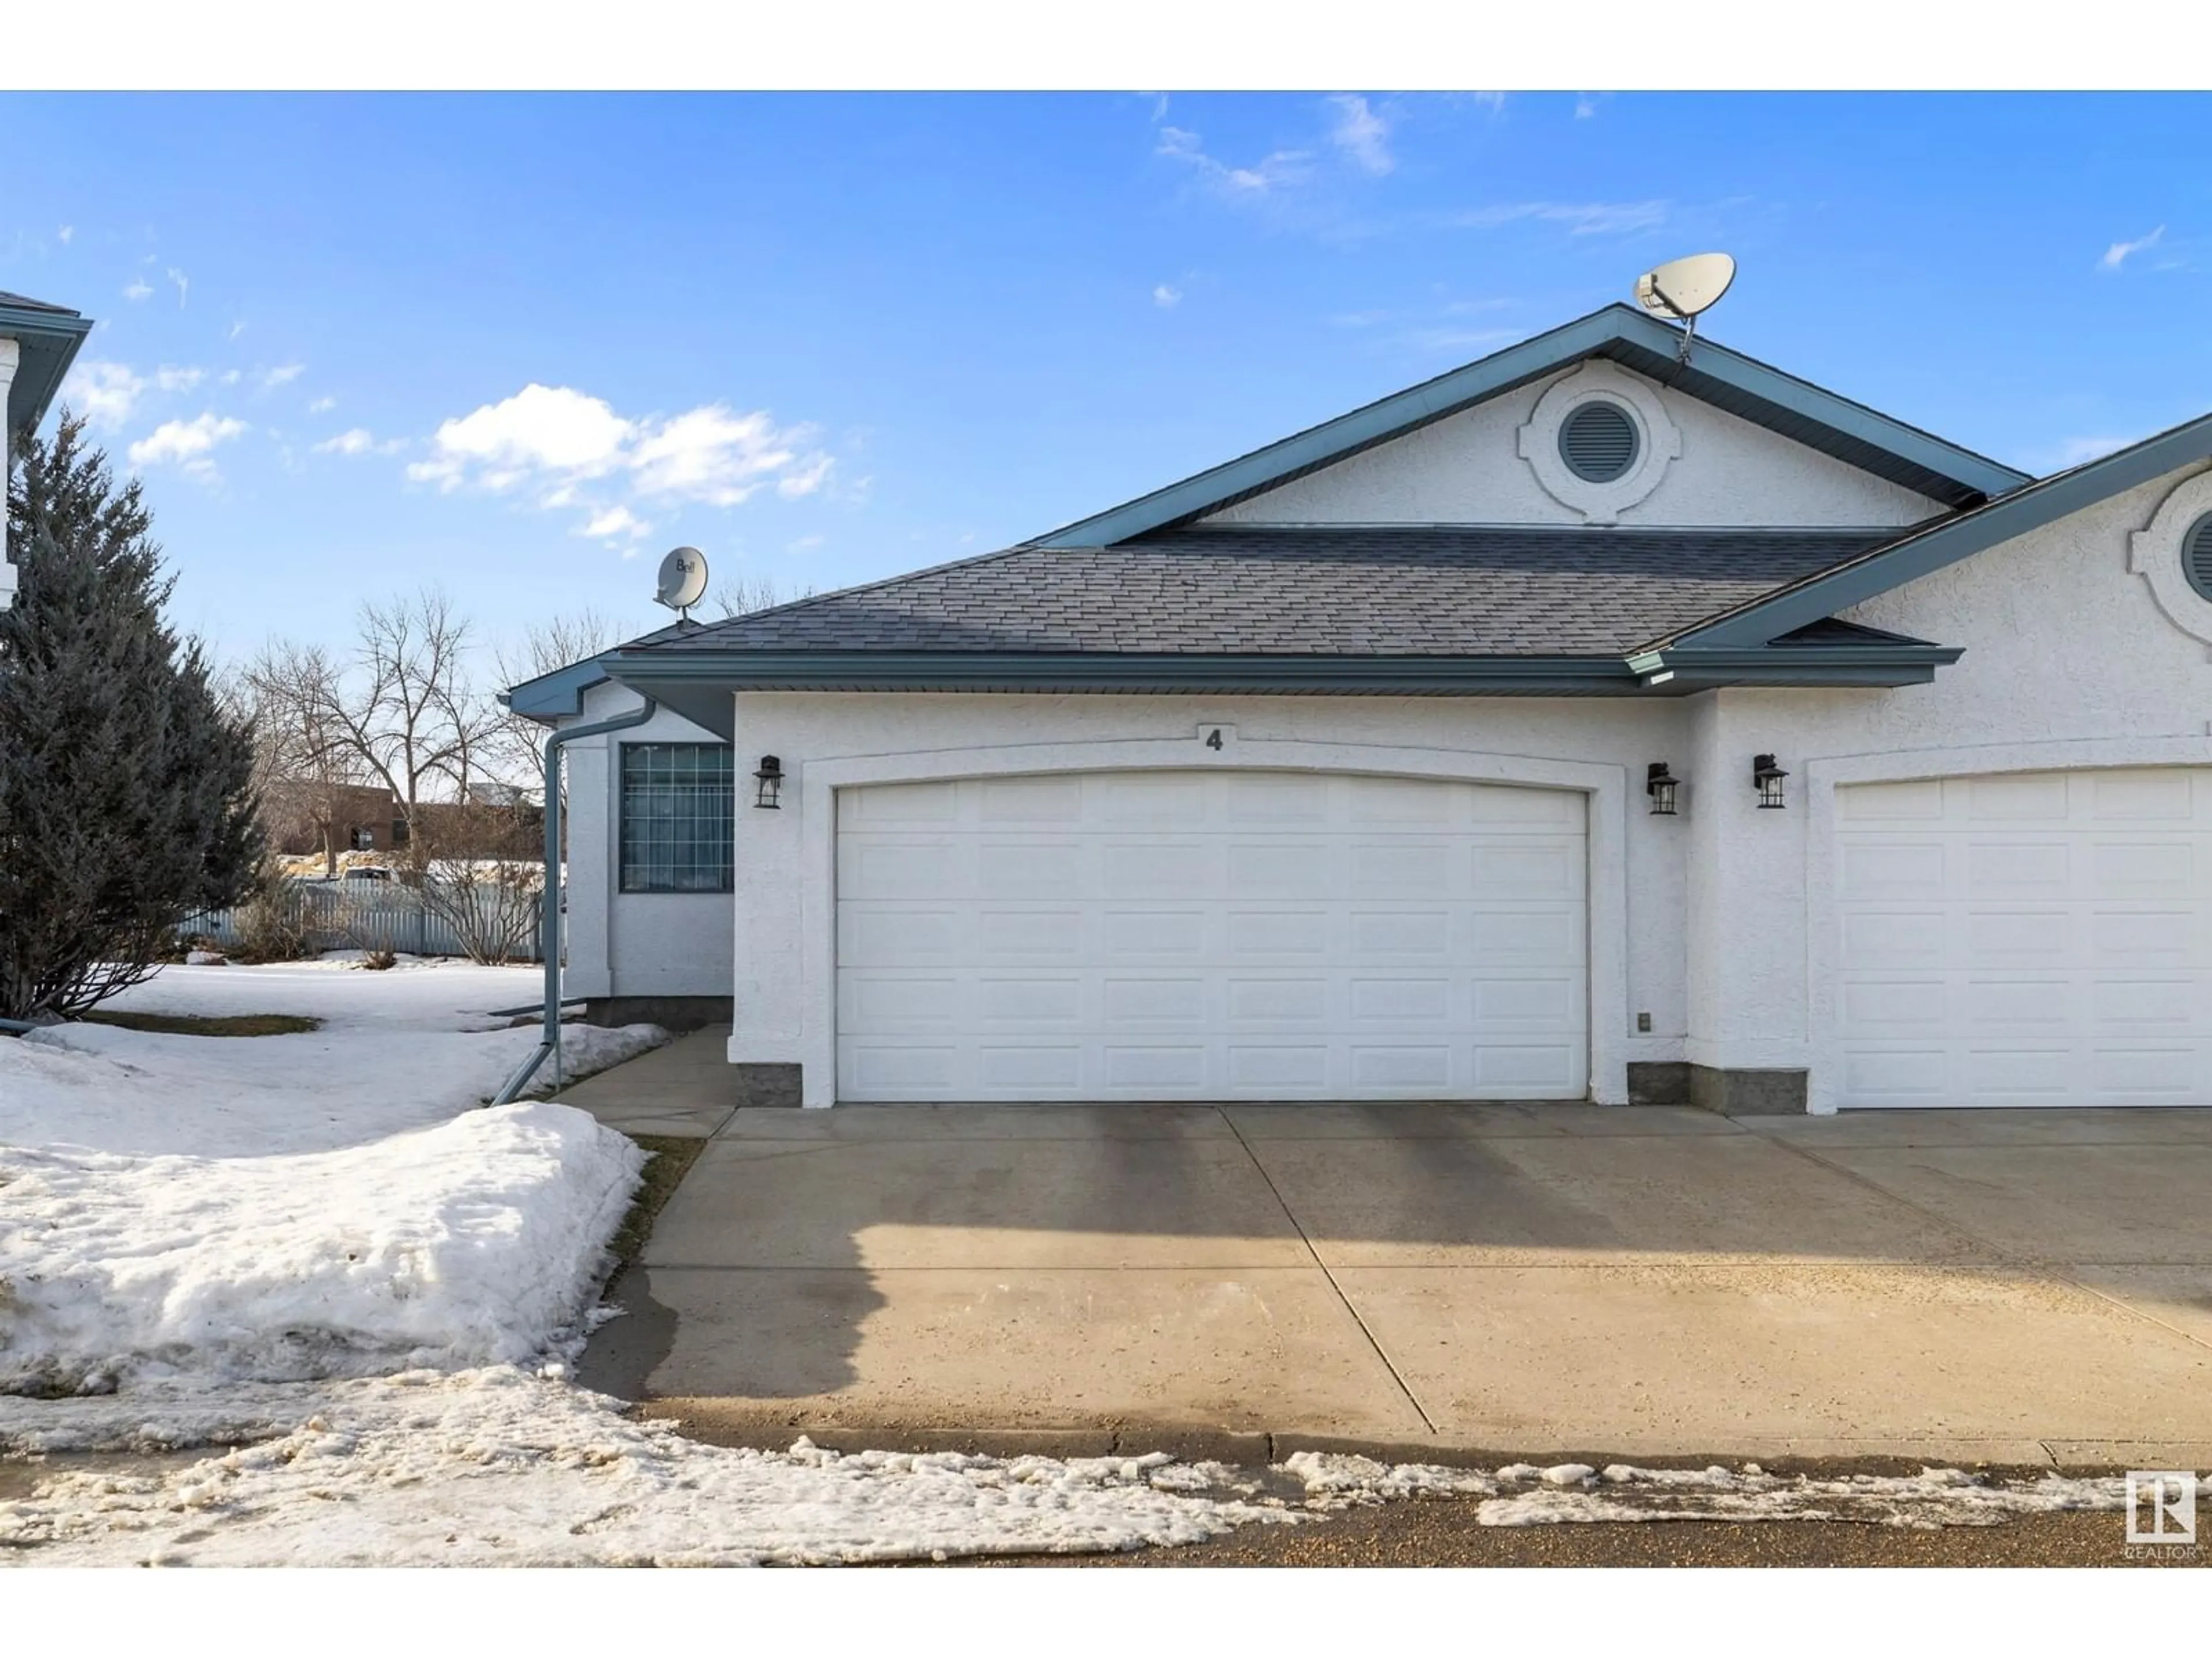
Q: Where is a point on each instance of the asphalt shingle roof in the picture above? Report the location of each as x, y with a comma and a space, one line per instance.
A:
1509, 591
24, 302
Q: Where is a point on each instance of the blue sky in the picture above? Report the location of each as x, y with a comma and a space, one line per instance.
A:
831, 338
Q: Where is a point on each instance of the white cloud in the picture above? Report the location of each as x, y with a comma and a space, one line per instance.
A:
105, 393
2119, 252
1274, 171
66, 235
139, 289
541, 427
170, 378
1492, 102
236, 328
184, 285
1581, 218
615, 521
709, 454
356, 440
322, 405
804, 544
187, 443
283, 374
1165, 297
572, 450
1585, 107
1361, 134
228, 377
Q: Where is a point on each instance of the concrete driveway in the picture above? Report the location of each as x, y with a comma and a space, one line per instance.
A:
1429, 1280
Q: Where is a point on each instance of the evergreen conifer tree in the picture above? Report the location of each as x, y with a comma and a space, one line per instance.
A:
125, 789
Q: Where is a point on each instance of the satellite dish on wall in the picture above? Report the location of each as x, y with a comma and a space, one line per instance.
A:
683, 579
1680, 289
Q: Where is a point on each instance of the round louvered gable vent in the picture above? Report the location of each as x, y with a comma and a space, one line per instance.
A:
2197, 556
1598, 441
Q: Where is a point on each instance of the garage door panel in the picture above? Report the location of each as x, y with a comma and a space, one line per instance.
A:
1401, 1002
1002, 934
2066, 959
1243, 936
2143, 797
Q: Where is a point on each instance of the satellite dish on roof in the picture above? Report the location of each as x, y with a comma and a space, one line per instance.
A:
683, 579
1680, 289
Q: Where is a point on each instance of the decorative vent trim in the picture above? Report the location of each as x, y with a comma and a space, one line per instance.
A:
1599, 441
2197, 556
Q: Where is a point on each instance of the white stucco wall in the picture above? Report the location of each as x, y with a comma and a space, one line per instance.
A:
1719, 923
2069, 662
632, 945
1468, 469
785, 913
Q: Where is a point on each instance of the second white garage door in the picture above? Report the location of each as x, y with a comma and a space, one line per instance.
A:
1119, 936
2027, 939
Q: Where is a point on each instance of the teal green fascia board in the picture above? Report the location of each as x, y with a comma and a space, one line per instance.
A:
47, 344
668, 675
1873, 574
557, 694
1617, 331
1684, 668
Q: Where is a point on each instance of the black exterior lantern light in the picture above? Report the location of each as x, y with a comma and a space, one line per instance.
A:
1766, 778
1660, 784
769, 778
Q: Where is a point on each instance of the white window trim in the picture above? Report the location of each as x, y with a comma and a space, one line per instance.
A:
1658, 441
816, 784
2155, 554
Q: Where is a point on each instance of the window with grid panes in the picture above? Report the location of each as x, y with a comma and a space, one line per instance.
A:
676, 813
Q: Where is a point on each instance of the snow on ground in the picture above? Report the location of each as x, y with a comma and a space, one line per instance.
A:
1523, 1495
498, 1466
314, 1204
239, 1236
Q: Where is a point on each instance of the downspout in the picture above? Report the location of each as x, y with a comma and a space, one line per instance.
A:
549, 926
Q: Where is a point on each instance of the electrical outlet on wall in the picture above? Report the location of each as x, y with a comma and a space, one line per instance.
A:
1643, 1022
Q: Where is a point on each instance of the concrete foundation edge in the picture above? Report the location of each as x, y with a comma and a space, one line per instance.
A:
1745, 1093
769, 1084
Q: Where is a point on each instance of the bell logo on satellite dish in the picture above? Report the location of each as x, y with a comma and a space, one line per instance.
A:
683, 579
1680, 289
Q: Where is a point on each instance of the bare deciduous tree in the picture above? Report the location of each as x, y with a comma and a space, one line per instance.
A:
415, 718
742, 595
306, 770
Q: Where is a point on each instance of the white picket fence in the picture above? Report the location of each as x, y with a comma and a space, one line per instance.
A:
339, 915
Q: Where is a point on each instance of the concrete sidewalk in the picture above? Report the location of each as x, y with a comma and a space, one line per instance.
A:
681, 1089
1431, 1281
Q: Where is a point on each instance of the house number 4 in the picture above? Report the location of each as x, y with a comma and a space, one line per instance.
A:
1213, 738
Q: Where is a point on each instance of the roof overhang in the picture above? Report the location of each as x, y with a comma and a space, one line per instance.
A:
700, 684
47, 342
1683, 669
1923, 552
1728, 379
556, 695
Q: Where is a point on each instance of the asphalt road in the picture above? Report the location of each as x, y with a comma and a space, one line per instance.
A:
1443, 1533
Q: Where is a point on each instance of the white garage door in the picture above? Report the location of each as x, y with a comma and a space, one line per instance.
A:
2029, 940
1168, 936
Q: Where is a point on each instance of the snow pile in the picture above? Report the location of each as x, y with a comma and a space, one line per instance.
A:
474, 1240
313, 1204
500, 1466
495, 1467
1523, 1495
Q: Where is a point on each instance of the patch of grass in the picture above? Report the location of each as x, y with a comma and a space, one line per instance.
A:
669, 1158
214, 1025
